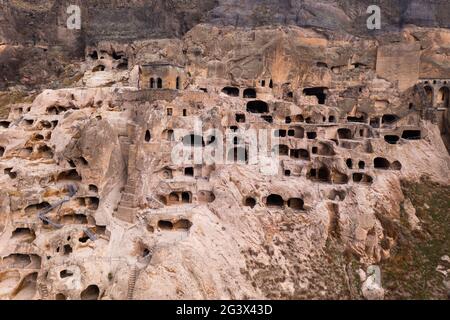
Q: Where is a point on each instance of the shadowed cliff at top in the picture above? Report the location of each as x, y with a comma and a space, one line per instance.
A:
36, 41
44, 20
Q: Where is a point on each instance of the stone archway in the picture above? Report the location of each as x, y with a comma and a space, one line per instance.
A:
430, 93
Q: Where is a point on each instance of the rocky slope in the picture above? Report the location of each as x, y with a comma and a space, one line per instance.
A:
323, 150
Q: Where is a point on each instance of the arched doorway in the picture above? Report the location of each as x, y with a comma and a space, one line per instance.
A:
443, 105
429, 93
443, 97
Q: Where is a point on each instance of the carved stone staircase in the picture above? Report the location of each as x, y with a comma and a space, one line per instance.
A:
127, 208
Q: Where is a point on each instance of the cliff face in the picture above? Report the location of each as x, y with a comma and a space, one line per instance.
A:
29, 28
38, 21
224, 149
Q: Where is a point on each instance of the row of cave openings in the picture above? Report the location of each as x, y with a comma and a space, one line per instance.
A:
409, 134
185, 197
322, 149
92, 292
234, 154
88, 202
277, 201
169, 225
102, 67
240, 153
43, 124
378, 163
29, 261
35, 148
324, 174
120, 57
250, 93
261, 107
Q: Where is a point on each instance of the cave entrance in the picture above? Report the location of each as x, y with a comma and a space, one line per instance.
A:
375, 122
99, 68
349, 163
340, 178
323, 174
186, 197
189, 171
391, 139
173, 198
344, 133
300, 154
411, 135
182, 224
319, 92
257, 106
295, 204
296, 132
362, 178
250, 202
389, 119
94, 55
240, 118
250, 93
280, 133
360, 119
299, 118
361, 165
69, 175
381, 163
92, 292
396, 165
275, 200
165, 225
231, 91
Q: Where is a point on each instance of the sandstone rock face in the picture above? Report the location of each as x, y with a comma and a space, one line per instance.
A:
248, 156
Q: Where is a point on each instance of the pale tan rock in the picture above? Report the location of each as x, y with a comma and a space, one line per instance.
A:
144, 226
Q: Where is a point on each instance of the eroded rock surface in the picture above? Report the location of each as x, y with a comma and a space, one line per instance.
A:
95, 202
